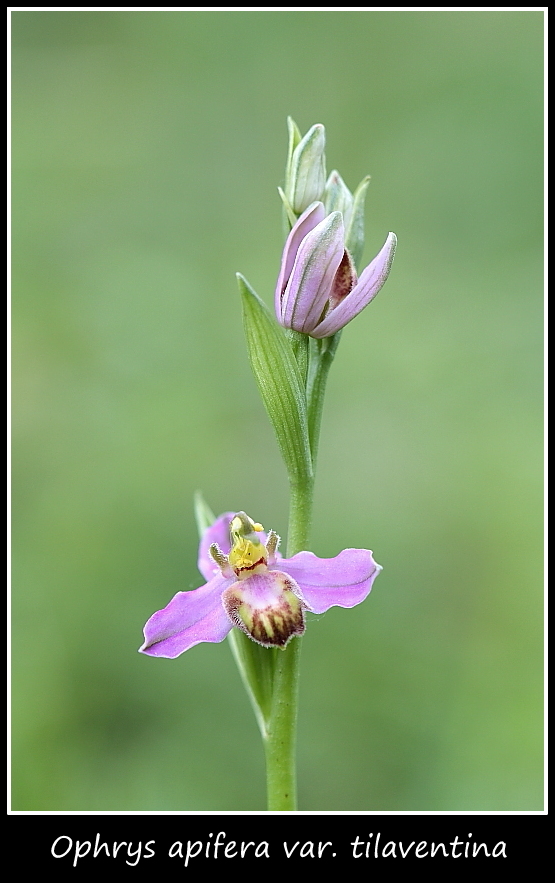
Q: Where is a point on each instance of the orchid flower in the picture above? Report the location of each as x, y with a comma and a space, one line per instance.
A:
317, 291
250, 586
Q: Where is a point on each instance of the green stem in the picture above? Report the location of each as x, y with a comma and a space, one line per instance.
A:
281, 774
282, 726
300, 516
321, 358
272, 675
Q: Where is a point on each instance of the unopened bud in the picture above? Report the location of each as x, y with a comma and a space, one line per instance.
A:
306, 168
338, 197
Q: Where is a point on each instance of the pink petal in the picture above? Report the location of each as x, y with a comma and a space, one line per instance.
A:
372, 279
189, 618
307, 221
217, 533
343, 581
308, 289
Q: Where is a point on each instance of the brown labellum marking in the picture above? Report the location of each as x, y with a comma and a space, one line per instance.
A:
271, 624
344, 281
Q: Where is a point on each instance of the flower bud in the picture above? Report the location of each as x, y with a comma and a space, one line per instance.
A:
338, 197
317, 291
305, 176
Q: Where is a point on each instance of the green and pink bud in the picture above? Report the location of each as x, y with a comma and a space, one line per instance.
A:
317, 291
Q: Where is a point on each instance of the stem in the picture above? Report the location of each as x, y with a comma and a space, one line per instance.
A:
282, 725
281, 728
272, 675
300, 516
281, 774
322, 356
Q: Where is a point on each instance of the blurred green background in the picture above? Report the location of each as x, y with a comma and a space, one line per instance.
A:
147, 149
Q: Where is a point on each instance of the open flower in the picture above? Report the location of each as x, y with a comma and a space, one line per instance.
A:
250, 586
317, 291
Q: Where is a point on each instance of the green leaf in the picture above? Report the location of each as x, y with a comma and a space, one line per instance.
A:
279, 381
203, 514
256, 666
289, 216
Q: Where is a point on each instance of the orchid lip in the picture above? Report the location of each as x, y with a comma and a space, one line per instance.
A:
268, 607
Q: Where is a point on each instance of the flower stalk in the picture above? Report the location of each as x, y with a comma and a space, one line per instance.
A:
252, 594
281, 741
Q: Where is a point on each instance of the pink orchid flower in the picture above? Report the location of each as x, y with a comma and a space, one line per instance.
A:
250, 586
